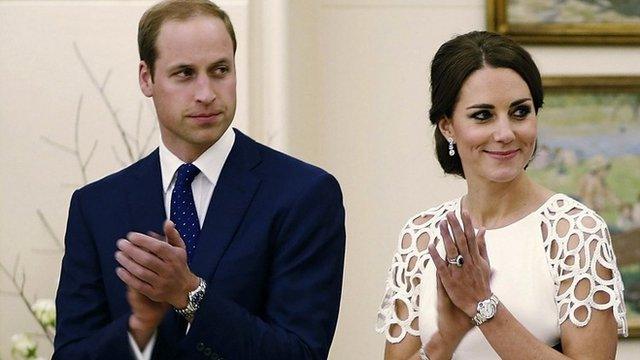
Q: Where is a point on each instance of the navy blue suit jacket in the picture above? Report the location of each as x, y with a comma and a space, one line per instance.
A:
271, 250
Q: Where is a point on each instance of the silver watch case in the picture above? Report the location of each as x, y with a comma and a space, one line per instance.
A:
194, 297
486, 310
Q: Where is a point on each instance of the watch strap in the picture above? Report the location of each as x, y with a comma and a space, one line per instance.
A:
193, 301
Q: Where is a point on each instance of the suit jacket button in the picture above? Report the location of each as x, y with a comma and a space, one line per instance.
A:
200, 346
207, 351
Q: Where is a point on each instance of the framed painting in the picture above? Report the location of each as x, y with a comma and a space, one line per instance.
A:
566, 21
589, 148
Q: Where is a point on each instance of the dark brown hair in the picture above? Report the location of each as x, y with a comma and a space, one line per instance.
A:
455, 61
158, 14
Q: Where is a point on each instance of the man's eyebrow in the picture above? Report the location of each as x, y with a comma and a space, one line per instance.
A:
179, 67
222, 61
182, 66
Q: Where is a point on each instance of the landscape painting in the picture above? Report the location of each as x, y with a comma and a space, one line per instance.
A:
573, 11
566, 21
589, 148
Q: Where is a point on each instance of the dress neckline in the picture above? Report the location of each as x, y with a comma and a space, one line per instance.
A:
458, 212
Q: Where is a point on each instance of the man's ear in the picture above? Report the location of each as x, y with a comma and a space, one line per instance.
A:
446, 128
145, 79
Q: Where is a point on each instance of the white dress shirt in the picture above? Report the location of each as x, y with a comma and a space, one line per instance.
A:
210, 164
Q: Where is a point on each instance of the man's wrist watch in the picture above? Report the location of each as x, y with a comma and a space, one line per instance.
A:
194, 298
486, 310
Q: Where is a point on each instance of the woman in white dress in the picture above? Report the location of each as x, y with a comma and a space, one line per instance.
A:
510, 270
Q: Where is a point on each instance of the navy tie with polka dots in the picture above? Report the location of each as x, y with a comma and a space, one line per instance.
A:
183, 208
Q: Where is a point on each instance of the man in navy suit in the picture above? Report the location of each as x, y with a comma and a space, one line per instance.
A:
250, 264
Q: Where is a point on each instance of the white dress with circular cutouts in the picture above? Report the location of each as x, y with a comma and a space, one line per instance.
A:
536, 268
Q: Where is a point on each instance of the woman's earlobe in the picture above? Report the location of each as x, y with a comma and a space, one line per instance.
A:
444, 126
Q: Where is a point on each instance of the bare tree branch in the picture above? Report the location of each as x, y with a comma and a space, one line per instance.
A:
14, 271
20, 288
57, 145
34, 334
115, 153
76, 140
106, 101
49, 229
86, 161
106, 78
132, 138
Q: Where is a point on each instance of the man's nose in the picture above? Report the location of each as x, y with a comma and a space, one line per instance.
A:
204, 92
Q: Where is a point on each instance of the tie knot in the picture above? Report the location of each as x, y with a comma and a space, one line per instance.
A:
185, 174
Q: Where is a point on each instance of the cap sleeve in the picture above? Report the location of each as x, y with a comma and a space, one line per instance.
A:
398, 312
582, 263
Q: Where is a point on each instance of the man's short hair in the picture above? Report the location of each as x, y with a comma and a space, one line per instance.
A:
167, 10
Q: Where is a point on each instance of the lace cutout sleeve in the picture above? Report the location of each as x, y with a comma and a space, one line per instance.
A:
582, 263
398, 313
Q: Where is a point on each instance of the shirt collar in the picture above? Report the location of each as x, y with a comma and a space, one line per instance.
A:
210, 162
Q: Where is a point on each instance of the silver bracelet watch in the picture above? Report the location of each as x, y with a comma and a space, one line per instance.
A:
486, 310
194, 298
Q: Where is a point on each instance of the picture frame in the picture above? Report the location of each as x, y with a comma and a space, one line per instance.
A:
588, 149
565, 22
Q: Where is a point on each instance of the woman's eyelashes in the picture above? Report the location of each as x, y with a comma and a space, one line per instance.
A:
519, 112
481, 115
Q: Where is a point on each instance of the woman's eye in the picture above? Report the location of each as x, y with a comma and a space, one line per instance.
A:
522, 111
481, 115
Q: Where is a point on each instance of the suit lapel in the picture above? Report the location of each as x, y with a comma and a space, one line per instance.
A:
146, 201
229, 202
147, 213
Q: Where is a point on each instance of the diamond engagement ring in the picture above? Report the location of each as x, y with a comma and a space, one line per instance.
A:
457, 261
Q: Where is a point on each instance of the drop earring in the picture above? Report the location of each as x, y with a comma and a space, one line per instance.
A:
451, 150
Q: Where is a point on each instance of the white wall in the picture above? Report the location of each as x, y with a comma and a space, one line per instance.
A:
342, 84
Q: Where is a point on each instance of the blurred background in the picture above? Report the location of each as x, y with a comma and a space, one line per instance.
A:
342, 84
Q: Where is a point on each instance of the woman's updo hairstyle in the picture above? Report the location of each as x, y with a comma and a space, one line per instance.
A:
455, 61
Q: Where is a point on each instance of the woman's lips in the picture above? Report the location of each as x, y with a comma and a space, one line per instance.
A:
502, 155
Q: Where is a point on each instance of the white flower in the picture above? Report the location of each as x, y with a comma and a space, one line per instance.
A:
45, 310
23, 346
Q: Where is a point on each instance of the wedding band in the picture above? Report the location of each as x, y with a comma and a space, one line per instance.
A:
457, 261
